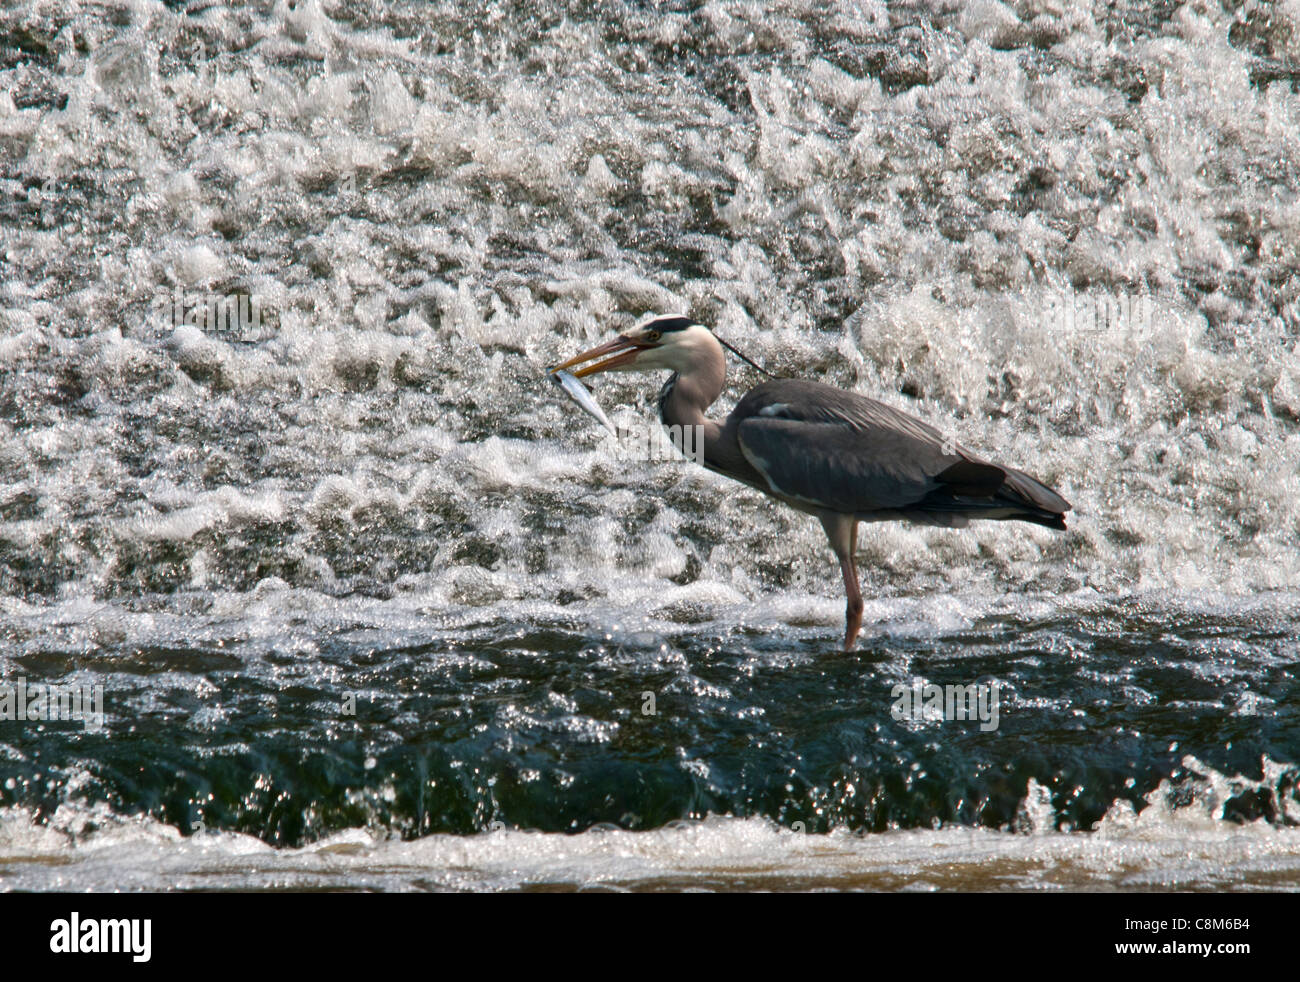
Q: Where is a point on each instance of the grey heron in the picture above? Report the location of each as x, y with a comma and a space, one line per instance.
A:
837, 455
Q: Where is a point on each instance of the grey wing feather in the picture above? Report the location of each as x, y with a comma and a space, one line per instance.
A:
833, 466
837, 450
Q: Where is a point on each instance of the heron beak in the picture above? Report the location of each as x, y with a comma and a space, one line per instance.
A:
622, 349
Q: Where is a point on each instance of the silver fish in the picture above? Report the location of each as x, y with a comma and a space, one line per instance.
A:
579, 394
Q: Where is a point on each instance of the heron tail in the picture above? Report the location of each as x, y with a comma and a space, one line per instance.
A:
974, 489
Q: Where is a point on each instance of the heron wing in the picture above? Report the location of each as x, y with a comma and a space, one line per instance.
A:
847, 453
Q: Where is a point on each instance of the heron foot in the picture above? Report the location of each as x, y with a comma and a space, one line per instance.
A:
852, 622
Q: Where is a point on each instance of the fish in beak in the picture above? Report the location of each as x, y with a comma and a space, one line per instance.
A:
621, 351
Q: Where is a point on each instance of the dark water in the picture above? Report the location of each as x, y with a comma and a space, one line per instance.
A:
544, 727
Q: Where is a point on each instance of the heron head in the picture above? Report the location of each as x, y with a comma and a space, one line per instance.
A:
673, 343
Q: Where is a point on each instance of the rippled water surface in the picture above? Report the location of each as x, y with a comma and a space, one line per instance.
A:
373, 608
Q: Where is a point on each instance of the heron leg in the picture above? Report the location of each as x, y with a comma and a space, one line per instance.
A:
842, 531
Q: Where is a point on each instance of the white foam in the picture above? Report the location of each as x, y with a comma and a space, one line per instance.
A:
1162, 847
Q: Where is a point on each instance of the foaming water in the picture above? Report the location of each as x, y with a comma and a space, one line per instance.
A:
1161, 848
354, 570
